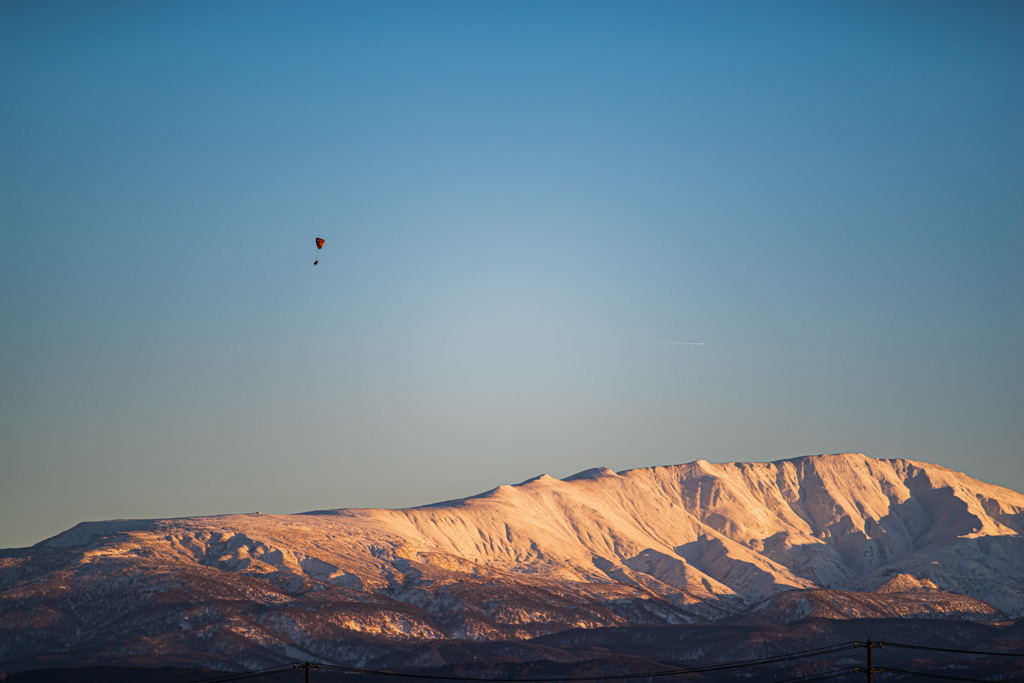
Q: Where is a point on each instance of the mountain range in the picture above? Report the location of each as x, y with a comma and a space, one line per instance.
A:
831, 538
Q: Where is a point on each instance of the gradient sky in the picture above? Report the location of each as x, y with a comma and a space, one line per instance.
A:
519, 200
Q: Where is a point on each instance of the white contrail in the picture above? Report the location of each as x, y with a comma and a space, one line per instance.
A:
658, 341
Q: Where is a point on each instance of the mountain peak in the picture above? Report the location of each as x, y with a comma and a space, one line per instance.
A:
592, 473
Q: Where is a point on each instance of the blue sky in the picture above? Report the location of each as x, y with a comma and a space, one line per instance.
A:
519, 199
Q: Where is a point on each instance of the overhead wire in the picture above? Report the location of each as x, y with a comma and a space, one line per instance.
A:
950, 649
775, 659
242, 675
922, 674
824, 675
609, 677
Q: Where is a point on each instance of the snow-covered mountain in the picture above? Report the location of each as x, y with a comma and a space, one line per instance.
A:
831, 536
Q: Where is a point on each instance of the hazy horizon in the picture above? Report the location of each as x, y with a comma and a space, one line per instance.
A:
558, 236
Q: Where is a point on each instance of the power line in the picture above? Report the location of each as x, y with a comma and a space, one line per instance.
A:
824, 676
610, 677
949, 649
775, 659
927, 675
241, 675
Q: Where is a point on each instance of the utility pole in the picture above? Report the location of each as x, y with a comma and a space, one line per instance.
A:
870, 671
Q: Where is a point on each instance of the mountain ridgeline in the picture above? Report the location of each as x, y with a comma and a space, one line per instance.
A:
833, 537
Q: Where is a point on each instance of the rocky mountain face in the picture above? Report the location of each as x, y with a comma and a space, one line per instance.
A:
822, 537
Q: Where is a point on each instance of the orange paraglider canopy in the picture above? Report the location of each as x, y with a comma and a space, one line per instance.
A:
319, 245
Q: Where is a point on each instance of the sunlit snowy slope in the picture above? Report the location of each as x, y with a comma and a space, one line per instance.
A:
832, 536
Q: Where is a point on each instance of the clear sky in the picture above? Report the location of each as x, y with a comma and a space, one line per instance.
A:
520, 200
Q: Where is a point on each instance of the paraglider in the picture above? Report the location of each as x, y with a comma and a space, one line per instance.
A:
319, 246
